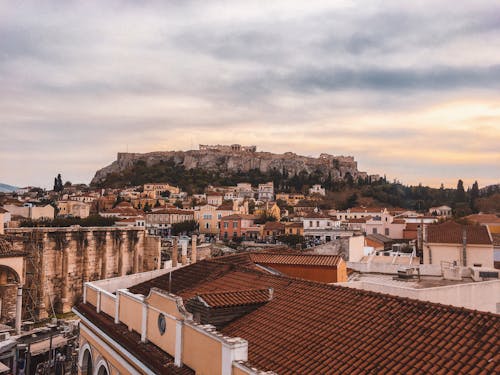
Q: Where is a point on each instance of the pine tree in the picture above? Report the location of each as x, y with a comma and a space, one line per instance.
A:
474, 194
460, 193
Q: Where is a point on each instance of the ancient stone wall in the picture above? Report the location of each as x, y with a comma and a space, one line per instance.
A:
61, 260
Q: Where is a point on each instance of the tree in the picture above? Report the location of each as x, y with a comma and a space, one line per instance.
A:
474, 194
178, 203
186, 227
460, 193
58, 184
292, 240
157, 204
147, 207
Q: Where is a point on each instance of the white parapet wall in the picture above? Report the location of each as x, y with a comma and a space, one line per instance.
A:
123, 282
482, 296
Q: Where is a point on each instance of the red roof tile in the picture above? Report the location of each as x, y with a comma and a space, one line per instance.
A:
236, 297
315, 328
451, 232
296, 259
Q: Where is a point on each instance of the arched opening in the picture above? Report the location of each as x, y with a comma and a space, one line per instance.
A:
86, 365
9, 284
102, 368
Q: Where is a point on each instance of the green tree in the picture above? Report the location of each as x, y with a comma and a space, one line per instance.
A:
460, 192
473, 195
178, 203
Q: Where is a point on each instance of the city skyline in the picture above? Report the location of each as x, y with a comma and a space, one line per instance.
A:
409, 90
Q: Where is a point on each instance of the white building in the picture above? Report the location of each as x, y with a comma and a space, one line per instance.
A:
317, 189
266, 192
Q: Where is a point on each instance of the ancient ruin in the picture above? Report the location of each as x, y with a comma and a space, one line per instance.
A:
60, 260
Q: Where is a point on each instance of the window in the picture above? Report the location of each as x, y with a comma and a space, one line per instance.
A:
317, 224
374, 230
226, 225
386, 231
235, 224
219, 216
207, 225
207, 217
310, 224
162, 324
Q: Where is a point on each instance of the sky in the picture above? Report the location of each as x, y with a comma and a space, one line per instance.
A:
410, 89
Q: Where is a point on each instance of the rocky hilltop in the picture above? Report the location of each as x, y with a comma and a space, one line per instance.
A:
229, 159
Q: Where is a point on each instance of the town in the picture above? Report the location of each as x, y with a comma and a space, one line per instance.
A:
250, 278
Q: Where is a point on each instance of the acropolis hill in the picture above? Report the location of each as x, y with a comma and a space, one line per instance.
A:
236, 158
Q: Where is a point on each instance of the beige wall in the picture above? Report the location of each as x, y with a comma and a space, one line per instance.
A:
130, 313
476, 254
200, 352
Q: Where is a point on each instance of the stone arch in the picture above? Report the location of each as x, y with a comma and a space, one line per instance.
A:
9, 271
102, 368
85, 360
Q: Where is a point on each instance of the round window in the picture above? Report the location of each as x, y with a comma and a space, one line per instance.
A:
162, 324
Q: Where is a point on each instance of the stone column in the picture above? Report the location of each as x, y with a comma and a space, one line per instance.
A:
175, 253
184, 252
66, 284
19, 307
193, 249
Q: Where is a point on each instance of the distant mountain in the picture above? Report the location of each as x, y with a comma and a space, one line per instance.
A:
4, 188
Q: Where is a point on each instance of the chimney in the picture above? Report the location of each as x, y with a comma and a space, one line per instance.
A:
193, 249
175, 253
184, 251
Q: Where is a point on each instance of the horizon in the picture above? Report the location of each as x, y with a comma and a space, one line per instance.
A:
409, 89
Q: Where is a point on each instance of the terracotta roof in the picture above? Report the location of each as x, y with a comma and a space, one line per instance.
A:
315, 328
239, 216
398, 221
379, 238
172, 211
360, 220
451, 232
298, 224
214, 194
484, 218
274, 225
296, 259
366, 209
316, 215
236, 297
226, 206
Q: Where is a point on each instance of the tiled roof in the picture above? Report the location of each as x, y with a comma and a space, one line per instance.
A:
225, 206
296, 259
274, 225
172, 211
451, 232
315, 328
484, 218
316, 215
360, 220
379, 238
398, 221
159, 361
239, 216
236, 297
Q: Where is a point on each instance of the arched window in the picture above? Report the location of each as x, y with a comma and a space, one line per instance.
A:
86, 363
102, 368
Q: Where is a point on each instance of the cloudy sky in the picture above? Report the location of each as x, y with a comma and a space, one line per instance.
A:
411, 89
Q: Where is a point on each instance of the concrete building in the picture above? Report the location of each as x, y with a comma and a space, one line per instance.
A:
441, 211
160, 221
318, 190
155, 190
462, 245
234, 316
31, 211
266, 192
73, 208
237, 225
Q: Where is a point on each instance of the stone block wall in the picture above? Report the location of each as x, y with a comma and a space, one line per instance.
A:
61, 260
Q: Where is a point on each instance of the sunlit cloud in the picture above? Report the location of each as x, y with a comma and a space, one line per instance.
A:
409, 89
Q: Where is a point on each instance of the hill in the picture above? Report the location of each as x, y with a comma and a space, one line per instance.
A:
4, 188
225, 166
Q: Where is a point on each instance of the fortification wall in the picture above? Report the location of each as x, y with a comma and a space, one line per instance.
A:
61, 260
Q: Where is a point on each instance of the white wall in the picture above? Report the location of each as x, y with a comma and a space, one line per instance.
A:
482, 296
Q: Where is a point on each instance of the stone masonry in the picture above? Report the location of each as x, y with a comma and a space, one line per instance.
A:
61, 260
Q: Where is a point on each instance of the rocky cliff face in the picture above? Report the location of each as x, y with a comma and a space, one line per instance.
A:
337, 166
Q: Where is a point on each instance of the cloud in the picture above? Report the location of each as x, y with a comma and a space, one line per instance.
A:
80, 81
